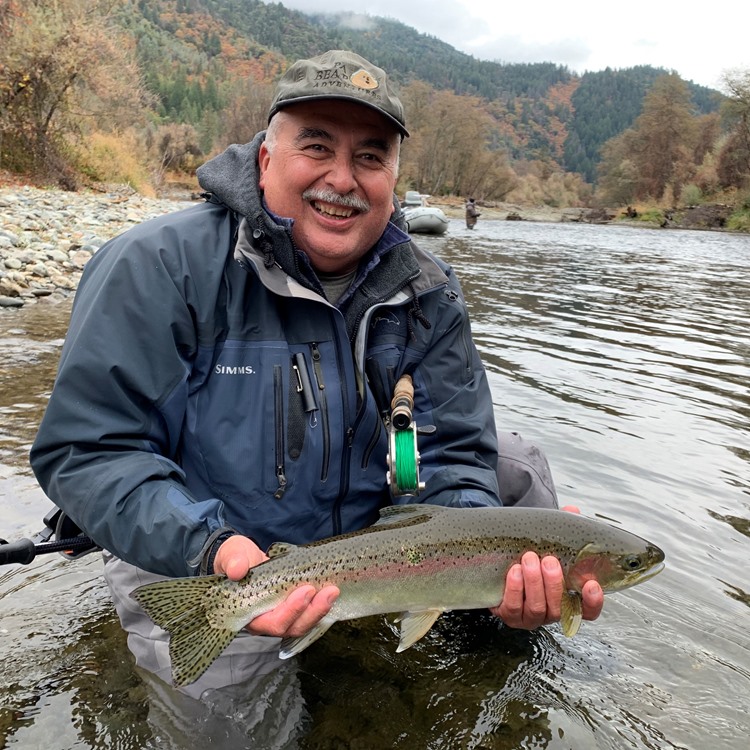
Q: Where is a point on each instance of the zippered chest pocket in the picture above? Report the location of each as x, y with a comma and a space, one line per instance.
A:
231, 419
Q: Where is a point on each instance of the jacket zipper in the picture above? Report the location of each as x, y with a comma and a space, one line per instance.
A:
372, 443
278, 399
344, 483
318, 369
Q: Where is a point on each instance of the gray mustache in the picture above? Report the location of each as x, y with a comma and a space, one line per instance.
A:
330, 196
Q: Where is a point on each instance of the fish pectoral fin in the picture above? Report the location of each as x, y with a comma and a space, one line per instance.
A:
414, 625
292, 646
572, 614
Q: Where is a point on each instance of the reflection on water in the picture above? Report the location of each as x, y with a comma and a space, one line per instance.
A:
30, 342
626, 354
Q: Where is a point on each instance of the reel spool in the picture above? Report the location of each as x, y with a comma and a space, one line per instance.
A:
403, 457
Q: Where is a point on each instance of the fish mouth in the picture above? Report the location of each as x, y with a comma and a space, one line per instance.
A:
651, 572
641, 576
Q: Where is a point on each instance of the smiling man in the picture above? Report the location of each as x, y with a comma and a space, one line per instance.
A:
333, 168
228, 369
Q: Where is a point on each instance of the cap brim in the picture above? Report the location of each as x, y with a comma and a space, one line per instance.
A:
318, 97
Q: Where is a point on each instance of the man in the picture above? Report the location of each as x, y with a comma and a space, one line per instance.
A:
227, 370
472, 213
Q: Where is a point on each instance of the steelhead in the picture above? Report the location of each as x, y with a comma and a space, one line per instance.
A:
419, 560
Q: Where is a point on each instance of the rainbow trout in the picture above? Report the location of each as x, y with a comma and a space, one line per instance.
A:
419, 560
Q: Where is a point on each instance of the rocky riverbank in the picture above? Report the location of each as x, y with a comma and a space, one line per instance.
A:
47, 236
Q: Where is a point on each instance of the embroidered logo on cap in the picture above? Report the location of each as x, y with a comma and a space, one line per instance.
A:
363, 80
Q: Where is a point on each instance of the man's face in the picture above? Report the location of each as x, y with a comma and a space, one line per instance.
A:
333, 169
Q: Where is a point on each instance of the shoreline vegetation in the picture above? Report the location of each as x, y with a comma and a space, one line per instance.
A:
142, 93
705, 216
47, 235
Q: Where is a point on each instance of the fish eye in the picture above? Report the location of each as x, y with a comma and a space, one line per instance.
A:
631, 562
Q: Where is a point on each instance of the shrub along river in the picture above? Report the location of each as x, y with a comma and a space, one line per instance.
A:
625, 353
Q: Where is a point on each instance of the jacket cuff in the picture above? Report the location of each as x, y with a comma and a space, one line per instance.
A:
204, 560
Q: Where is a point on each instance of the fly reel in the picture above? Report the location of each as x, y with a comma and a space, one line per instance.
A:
403, 457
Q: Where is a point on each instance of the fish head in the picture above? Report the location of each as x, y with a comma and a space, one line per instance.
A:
615, 566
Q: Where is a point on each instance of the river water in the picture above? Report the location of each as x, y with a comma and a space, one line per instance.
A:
625, 353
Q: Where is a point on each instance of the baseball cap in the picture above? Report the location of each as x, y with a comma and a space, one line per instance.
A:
339, 74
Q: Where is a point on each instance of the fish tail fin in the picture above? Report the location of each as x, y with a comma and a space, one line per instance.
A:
571, 613
179, 606
195, 647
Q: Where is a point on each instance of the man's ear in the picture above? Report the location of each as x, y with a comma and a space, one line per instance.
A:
264, 155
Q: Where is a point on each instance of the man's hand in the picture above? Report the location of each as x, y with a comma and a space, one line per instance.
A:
533, 592
295, 616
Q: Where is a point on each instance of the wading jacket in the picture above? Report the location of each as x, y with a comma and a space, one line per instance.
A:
207, 385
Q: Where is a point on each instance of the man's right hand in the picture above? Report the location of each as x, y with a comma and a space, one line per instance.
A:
296, 615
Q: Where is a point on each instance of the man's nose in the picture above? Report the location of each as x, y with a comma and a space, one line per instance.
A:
340, 176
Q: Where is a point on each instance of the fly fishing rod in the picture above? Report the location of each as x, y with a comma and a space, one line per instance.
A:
69, 541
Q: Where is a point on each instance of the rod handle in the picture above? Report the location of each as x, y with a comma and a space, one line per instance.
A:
23, 551
402, 403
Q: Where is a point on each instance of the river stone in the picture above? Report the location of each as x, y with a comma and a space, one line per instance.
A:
11, 301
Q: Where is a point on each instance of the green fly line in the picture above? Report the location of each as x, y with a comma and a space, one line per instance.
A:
406, 461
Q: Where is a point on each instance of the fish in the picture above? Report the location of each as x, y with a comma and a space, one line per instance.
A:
418, 560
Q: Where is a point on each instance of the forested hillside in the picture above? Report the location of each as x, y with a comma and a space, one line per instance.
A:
547, 112
136, 90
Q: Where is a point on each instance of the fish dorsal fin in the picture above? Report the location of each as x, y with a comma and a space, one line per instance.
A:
414, 625
391, 517
407, 514
280, 548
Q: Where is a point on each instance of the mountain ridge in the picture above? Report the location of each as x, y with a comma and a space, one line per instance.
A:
543, 111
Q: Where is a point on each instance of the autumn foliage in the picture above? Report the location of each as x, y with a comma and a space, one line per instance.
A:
133, 90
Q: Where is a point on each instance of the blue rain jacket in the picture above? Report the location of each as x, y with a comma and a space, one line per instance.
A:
207, 385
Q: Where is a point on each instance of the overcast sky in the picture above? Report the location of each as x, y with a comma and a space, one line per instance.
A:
699, 42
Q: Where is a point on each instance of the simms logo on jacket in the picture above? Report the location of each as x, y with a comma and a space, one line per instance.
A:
234, 370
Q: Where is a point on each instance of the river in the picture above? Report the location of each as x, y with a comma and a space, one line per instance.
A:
625, 353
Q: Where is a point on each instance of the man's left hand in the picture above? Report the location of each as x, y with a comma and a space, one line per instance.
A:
534, 589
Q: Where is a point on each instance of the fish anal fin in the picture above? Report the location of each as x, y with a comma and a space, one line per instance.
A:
571, 613
292, 646
414, 625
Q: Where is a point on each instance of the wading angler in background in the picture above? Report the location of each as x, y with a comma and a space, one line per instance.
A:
229, 368
472, 213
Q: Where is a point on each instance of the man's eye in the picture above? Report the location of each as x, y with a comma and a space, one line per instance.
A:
371, 158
